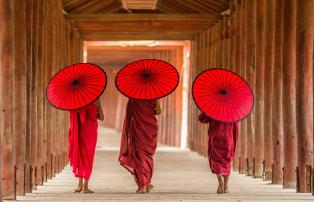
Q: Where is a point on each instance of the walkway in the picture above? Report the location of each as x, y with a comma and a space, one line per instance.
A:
180, 175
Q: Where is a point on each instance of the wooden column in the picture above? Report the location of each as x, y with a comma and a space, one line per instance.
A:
238, 25
289, 93
226, 41
242, 72
6, 86
305, 34
277, 125
250, 76
19, 89
268, 85
259, 102
28, 150
39, 88
48, 66
33, 94
232, 35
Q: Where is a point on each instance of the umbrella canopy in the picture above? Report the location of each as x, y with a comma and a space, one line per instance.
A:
76, 86
147, 79
223, 95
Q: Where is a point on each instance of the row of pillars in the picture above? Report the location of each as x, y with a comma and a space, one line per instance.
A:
270, 44
35, 42
169, 121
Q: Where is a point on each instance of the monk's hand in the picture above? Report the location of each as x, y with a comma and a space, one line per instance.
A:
157, 109
100, 117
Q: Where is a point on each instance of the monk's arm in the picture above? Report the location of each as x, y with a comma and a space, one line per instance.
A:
203, 118
158, 109
100, 112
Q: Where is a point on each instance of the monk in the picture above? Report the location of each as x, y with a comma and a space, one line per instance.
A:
222, 138
139, 141
82, 142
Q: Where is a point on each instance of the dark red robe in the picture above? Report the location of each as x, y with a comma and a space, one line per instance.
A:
139, 140
222, 138
82, 140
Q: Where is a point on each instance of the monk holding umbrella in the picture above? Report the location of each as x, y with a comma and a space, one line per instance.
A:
77, 88
224, 99
144, 82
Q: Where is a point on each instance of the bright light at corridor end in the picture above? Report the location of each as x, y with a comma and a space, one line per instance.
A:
184, 75
138, 43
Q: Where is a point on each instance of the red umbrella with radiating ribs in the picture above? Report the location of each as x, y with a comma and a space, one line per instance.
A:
76, 86
147, 79
223, 95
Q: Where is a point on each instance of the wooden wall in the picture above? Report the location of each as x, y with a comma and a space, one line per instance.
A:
35, 42
268, 44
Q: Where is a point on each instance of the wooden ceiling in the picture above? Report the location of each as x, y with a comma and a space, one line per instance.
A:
114, 56
143, 19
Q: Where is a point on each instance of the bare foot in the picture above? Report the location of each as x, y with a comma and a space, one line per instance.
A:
87, 191
150, 188
226, 190
141, 190
220, 189
78, 189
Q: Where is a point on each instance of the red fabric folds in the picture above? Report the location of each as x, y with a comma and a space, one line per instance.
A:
139, 140
222, 139
82, 140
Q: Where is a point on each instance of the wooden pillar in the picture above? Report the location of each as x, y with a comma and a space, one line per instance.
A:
48, 66
220, 50
33, 94
277, 96
305, 34
226, 42
250, 76
259, 102
39, 88
232, 35
268, 85
211, 42
242, 72
289, 93
19, 89
238, 25
6, 68
28, 150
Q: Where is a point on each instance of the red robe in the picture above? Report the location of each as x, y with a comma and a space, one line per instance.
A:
82, 140
139, 140
222, 138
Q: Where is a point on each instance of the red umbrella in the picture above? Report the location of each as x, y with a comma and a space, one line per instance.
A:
147, 79
222, 95
76, 86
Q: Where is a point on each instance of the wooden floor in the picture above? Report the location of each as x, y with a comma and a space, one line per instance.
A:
180, 175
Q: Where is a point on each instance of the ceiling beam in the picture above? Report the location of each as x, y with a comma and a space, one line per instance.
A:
139, 4
143, 17
127, 37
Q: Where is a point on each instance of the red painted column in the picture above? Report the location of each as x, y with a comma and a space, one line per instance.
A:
305, 35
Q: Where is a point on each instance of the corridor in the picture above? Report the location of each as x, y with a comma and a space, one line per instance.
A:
180, 175
269, 43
